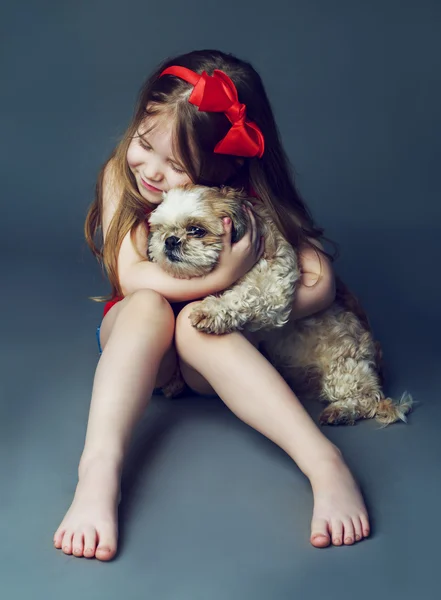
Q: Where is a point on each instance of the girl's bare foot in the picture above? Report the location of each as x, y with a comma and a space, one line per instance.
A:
339, 516
90, 527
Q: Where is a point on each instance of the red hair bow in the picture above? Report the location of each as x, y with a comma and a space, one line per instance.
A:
218, 94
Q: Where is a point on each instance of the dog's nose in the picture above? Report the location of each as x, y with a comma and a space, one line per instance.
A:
171, 242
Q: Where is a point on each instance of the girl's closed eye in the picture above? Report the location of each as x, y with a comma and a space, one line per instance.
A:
147, 147
144, 144
177, 170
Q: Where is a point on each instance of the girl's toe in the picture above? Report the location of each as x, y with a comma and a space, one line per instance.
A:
365, 525
320, 537
107, 544
58, 538
66, 543
337, 533
77, 544
89, 542
357, 529
105, 552
349, 533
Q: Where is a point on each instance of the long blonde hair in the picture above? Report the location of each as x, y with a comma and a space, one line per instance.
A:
271, 177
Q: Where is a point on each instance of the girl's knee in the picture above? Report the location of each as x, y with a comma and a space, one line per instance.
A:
138, 310
185, 334
147, 308
151, 302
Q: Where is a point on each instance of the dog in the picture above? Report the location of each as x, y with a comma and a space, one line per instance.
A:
330, 355
185, 240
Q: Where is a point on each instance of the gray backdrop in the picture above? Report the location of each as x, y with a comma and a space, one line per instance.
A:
355, 88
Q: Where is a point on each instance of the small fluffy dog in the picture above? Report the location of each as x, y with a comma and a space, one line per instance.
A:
330, 355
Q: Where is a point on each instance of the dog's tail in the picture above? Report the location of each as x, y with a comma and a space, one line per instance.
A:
389, 411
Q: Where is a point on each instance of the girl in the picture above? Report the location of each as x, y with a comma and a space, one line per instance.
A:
203, 117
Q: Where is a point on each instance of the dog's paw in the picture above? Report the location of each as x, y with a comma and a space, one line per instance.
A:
202, 320
175, 386
212, 321
338, 415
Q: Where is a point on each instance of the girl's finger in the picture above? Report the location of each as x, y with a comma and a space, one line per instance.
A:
227, 230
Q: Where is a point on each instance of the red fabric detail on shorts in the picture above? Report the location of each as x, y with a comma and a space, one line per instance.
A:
108, 305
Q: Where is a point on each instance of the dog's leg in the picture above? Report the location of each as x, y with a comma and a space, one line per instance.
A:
175, 386
331, 357
227, 312
354, 390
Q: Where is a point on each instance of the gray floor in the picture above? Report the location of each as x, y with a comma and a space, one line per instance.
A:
210, 509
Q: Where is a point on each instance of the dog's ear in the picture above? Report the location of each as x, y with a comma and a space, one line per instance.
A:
231, 193
232, 207
239, 224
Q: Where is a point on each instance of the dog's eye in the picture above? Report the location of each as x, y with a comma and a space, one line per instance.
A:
196, 231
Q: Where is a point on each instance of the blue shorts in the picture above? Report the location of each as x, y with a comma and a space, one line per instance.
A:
98, 339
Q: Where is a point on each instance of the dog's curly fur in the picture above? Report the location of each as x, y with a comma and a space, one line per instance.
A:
330, 355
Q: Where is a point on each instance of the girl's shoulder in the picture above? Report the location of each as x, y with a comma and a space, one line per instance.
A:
130, 250
315, 242
316, 265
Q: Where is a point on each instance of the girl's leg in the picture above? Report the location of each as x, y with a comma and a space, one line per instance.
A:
257, 394
137, 341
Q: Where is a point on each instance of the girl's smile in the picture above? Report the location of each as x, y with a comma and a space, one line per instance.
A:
150, 187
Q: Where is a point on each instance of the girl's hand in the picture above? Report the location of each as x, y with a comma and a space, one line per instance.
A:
237, 259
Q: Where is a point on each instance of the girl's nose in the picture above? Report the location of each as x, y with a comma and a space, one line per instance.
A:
153, 171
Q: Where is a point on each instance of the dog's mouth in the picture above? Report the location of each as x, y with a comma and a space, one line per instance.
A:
173, 249
172, 256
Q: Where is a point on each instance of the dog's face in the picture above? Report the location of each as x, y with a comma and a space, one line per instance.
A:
186, 229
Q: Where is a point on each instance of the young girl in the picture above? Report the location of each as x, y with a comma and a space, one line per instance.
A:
205, 118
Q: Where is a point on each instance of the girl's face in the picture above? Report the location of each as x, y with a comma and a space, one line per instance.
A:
150, 158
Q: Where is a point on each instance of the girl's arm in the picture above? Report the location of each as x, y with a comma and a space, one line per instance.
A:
310, 300
234, 261
149, 275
